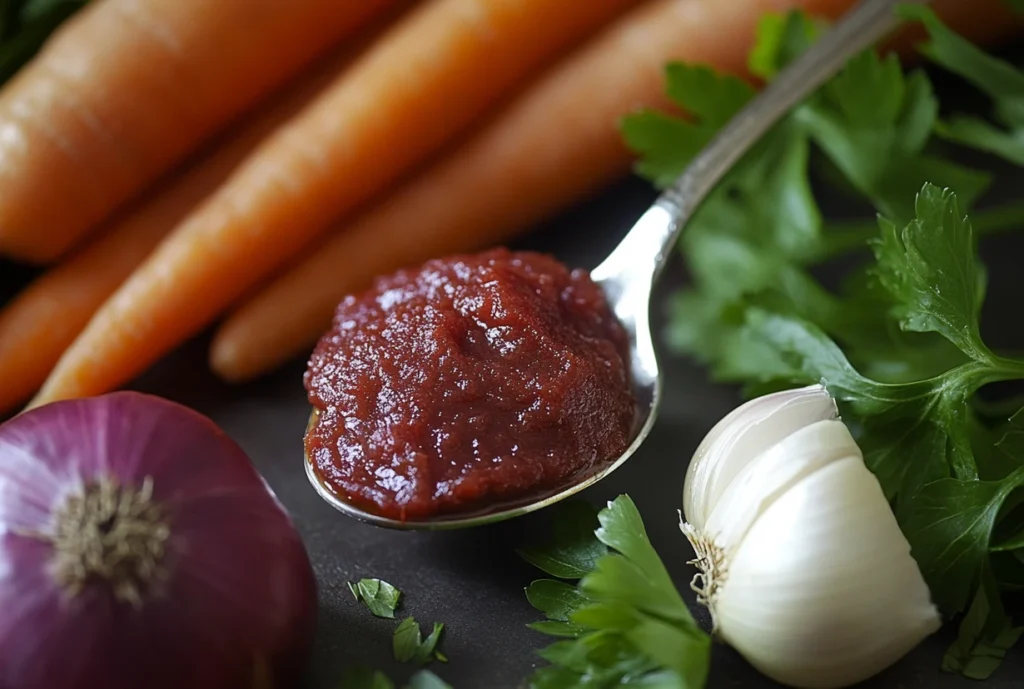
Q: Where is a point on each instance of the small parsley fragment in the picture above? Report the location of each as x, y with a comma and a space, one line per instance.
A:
624, 622
380, 597
410, 646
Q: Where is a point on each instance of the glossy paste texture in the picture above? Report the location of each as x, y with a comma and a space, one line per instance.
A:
470, 382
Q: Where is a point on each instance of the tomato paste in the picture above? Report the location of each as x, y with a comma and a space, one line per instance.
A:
467, 383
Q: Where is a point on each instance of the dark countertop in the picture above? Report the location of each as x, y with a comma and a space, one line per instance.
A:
472, 580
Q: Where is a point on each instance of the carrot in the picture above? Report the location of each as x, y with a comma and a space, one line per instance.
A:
556, 145
39, 324
415, 89
127, 88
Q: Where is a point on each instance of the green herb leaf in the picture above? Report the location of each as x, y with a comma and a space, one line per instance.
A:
977, 133
380, 597
781, 38
873, 123
573, 548
426, 651
986, 634
929, 270
406, 640
625, 622
555, 628
949, 528
556, 599
999, 79
669, 143
425, 679
409, 645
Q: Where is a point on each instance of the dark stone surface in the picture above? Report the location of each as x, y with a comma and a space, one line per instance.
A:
472, 580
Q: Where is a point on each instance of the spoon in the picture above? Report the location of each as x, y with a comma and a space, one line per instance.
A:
628, 274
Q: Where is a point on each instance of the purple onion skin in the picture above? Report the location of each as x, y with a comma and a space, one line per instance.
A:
237, 605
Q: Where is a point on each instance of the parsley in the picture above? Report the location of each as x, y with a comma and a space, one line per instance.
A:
425, 679
380, 597
409, 645
572, 550
899, 343
999, 80
625, 622
667, 142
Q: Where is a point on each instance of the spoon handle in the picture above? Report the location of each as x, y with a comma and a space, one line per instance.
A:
651, 239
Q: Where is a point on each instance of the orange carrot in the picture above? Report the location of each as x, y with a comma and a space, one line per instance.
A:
39, 324
443, 65
557, 144
126, 88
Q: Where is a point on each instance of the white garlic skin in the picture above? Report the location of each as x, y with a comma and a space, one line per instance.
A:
806, 571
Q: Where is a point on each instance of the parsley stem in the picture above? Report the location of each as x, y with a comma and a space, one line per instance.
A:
1011, 369
843, 237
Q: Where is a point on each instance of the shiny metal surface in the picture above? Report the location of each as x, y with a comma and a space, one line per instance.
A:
628, 274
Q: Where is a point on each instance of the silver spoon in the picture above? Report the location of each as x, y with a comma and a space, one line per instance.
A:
628, 274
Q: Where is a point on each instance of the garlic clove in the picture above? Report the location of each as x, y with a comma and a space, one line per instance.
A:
771, 474
822, 591
741, 436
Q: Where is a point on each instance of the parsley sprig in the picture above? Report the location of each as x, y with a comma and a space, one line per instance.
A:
624, 622
899, 344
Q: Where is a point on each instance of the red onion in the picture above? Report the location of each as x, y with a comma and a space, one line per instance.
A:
140, 548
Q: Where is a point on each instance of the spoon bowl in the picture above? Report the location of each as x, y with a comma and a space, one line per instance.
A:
628, 274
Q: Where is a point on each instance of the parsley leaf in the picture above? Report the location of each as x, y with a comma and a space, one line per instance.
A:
1000, 80
379, 596
986, 634
780, 40
409, 645
558, 601
924, 269
873, 123
668, 143
572, 550
630, 626
949, 528
425, 679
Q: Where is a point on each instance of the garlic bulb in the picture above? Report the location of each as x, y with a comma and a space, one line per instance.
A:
803, 566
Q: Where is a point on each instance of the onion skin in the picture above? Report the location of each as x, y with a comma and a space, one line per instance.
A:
235, 606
